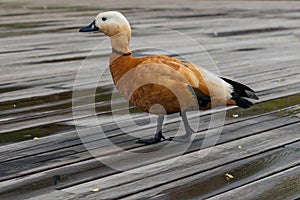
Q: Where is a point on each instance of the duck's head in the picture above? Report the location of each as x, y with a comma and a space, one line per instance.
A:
110, 23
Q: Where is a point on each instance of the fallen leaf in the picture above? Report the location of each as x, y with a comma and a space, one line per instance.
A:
229, 176
94, 190
235, 115
36, 138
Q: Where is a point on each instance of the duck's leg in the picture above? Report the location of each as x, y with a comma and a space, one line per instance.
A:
188, 130
158, 136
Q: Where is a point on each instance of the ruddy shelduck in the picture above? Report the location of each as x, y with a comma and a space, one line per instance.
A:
163, 85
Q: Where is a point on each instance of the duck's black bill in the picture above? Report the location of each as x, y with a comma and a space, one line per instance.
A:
89, 28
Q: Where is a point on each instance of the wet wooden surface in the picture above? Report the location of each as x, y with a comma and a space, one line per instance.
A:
44, 59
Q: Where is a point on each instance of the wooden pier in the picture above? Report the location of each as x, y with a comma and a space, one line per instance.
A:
60, 139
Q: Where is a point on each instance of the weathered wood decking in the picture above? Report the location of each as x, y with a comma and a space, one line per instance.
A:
42, 57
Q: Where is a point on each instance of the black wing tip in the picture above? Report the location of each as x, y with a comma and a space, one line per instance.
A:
243, 103
234, 83
203, 99
251, 95
254, 97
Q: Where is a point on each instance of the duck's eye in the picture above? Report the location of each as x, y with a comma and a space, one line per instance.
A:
104, 18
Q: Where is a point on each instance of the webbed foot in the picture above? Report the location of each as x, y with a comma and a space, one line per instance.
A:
158, 138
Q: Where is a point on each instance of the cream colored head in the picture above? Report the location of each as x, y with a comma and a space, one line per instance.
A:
114, 25
110, 23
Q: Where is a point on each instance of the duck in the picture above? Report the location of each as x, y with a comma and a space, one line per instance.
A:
163, 85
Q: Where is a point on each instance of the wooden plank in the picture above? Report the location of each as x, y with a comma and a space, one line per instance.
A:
283, 185
248, 127
262, 54
212, 183
61, 166
158, 173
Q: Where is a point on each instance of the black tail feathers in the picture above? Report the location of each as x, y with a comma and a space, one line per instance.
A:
240, 91
243, 103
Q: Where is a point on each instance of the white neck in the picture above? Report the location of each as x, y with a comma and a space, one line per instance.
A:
120, 42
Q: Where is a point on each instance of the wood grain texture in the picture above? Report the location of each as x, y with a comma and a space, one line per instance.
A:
43, 57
